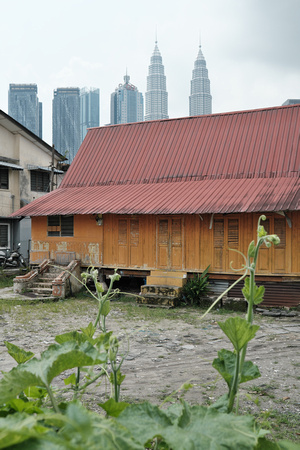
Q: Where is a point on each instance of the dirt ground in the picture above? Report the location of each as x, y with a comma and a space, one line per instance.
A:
165, 351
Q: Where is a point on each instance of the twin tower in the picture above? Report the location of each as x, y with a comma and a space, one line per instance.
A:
127, 102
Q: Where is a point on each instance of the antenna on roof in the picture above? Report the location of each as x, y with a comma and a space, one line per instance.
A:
155, 34
200, 38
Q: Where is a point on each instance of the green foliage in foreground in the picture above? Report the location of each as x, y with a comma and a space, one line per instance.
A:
32, 417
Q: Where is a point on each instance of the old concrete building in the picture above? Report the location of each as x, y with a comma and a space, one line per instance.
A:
26, 174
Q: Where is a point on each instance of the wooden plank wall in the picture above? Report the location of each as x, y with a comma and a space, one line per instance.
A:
188, 242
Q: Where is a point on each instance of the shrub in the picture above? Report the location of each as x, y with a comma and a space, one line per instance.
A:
195, 288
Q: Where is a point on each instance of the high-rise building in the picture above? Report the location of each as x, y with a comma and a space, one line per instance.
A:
156, 95
24, 106
89, 110
291, 101
200, 98
127, 103
66, 121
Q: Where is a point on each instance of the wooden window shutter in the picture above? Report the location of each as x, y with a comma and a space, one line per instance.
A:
122, 232
176, 232
163, 232
280, 230
233, 233
134, 232
219, 233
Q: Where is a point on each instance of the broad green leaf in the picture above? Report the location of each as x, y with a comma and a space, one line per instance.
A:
89, 331
18, 353
20, 406
35, 392
87, 430
113, 408
197, 427
239, 331
101, 341
70, 380
17, 428
71, 336
225, 365
105, 310
251, 249
40, 372
221, 404
258, 292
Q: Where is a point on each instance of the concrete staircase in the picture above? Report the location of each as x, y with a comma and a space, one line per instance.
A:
42, 285
50, 280
162, 289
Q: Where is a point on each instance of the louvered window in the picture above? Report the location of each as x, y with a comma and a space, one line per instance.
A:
3, 178
60, 226
280, 230
218, 233
163, 234
122, 232
40, 181
233, 233
3, 235
134, 232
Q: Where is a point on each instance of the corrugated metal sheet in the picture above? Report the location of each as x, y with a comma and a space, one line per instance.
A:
11, 166
191, 197
235, 162
276, 294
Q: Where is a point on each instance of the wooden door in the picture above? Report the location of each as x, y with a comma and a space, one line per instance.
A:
129, 248
275, 258
169, 243
226, 240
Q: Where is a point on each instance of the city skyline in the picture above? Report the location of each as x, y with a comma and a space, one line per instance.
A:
25, 108
251, 65
66, 121
200, 97
127, 103
156, 94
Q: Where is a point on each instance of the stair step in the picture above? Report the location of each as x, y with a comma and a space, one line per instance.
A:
168, 291
166, 281
42, 291
40, 284
150, 299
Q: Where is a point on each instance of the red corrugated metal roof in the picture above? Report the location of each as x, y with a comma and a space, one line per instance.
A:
235, 162
190, 197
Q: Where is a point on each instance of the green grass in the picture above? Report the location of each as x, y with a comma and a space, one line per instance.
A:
6, 281
280, 425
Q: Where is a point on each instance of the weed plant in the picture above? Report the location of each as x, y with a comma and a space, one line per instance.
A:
33, 415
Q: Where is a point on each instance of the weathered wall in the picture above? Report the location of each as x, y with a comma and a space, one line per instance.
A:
188, 243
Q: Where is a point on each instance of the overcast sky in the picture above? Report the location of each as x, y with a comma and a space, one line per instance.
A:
251, 49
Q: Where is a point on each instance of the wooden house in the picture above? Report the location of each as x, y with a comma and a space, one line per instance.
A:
176, 195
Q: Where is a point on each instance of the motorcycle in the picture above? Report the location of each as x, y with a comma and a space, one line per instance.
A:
12, 259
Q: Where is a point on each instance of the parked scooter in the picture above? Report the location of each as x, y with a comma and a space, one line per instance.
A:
12, 259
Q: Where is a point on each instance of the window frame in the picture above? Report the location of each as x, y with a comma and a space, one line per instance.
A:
39, 181
4, 184
60, 226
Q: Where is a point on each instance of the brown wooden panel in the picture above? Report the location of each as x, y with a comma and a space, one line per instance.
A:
122, 243
135, 251
218, 243
176, 243
163, 243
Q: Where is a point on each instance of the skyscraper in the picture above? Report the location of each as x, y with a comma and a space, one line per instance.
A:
200, 98
24, 106
66, 121
156, 95
127, 103
89, 110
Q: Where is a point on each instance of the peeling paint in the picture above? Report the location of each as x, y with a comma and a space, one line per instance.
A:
40, 246
93, 249
61, 246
